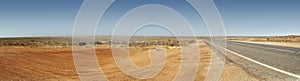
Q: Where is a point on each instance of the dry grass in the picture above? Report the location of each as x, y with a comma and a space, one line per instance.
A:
53, 64
268, 39
289, 41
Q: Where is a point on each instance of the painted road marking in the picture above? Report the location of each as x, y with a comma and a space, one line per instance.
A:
284, 50
262, 64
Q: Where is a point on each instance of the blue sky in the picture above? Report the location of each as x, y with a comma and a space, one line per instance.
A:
260, 17
240, 17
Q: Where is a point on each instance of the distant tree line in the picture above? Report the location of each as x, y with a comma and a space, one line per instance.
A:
65, 43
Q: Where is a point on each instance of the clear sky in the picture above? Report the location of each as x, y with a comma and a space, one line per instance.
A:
240, 17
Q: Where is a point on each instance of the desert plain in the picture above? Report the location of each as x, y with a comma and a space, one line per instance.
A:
51, 58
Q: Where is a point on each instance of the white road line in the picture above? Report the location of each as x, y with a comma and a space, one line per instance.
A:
291, 51
262, 64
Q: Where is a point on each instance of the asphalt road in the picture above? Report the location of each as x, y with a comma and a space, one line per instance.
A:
285, 59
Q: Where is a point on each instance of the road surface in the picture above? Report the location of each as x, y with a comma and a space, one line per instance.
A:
266, 62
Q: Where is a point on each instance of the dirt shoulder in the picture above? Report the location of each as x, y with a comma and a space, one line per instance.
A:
289, 41
53, 64
287, 44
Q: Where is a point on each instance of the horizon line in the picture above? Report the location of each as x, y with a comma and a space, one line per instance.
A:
152, 36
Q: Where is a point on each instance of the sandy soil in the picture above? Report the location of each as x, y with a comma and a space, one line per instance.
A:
36, 64
52, 64
288, 44
140, 57
290, 40
232, 72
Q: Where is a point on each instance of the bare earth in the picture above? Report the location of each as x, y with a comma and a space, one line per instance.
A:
289, 41
288, 44
53, 64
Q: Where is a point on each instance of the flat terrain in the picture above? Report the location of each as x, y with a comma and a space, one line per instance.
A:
49, 63
287, 44
289, 41
36, 64
289, 38
280, 57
